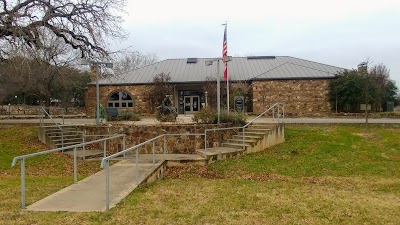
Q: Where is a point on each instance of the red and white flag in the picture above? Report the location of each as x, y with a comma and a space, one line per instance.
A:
225, 53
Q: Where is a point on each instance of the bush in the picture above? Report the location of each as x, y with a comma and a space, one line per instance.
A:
171, 117
208, 115
205, 115
129, 116
235, 118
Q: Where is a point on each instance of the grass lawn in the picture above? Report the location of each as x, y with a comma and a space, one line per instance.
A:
336, 174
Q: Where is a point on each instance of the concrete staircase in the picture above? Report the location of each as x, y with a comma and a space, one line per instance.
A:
56, 138
70, 135
257, 137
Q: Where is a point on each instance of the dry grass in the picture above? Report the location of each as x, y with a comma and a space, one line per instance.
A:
295, 183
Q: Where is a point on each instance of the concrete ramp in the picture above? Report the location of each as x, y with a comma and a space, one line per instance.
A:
89, 194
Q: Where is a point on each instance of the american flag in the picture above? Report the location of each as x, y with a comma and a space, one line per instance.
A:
225, 53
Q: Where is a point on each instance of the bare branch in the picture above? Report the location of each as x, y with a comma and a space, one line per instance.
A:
82, 24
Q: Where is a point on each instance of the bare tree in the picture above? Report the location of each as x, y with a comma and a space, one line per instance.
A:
242, 88
161, 86
81, 24
132, 61
210, 85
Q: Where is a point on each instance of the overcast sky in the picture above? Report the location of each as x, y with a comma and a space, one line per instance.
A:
338, 32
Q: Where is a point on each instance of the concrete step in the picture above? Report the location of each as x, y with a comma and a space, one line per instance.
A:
263, 123
59, 145
262, 126
235, 145
87, 154
257, 130
67, 135
247, 141
240, 136
59, 140
254, 133
53, 129
212, 155
53, 133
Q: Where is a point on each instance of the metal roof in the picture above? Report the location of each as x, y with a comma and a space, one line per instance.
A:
240, 69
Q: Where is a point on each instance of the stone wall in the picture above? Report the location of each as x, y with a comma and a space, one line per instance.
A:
139, 94
302, 97
34, 110
181, 143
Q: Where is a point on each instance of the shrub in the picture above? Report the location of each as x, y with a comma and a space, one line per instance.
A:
130, 116
209, 115
235, 118
205, 115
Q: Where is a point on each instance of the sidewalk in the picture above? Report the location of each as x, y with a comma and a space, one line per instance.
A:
187, 119
89, 194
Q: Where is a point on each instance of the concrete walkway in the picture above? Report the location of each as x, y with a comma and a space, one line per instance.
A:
187, 119
89, 194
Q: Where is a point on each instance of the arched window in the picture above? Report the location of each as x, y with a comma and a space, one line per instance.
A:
120, 99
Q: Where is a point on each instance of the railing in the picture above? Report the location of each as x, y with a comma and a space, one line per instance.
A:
84, 139
74, 147
43, 114
280, 109
105, 162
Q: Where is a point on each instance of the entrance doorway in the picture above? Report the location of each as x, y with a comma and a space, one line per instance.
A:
191, 104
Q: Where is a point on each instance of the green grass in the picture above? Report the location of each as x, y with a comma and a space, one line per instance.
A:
320, 175
326, 151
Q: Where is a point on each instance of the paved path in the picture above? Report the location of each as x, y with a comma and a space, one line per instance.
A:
332, 120
188, 120
89, 194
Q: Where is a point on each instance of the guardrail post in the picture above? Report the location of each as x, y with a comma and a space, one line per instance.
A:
154, 156
205, 141
63, 115
62, 138
105, 148
84, 146
165, 144
278, 113
75, 176
123, 144
273, 113
107, 168
23, 183
243, 138
137, 166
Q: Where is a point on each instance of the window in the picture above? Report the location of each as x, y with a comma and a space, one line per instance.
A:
120, 99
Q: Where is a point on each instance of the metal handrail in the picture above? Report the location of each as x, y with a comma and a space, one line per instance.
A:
23, 157
105, 162
59, 127
46, 113
262, 114
246, 125
143, 143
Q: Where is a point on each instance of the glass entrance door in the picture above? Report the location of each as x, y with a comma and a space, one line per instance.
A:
191, 104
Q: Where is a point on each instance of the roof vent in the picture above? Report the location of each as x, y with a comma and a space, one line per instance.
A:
260, 57
191, 60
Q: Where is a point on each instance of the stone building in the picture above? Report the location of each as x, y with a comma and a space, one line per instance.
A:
303, 85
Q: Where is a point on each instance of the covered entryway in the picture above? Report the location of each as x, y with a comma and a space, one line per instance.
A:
189, 99
192, 104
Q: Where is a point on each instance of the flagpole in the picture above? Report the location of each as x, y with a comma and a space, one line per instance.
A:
226, 65
227, 92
